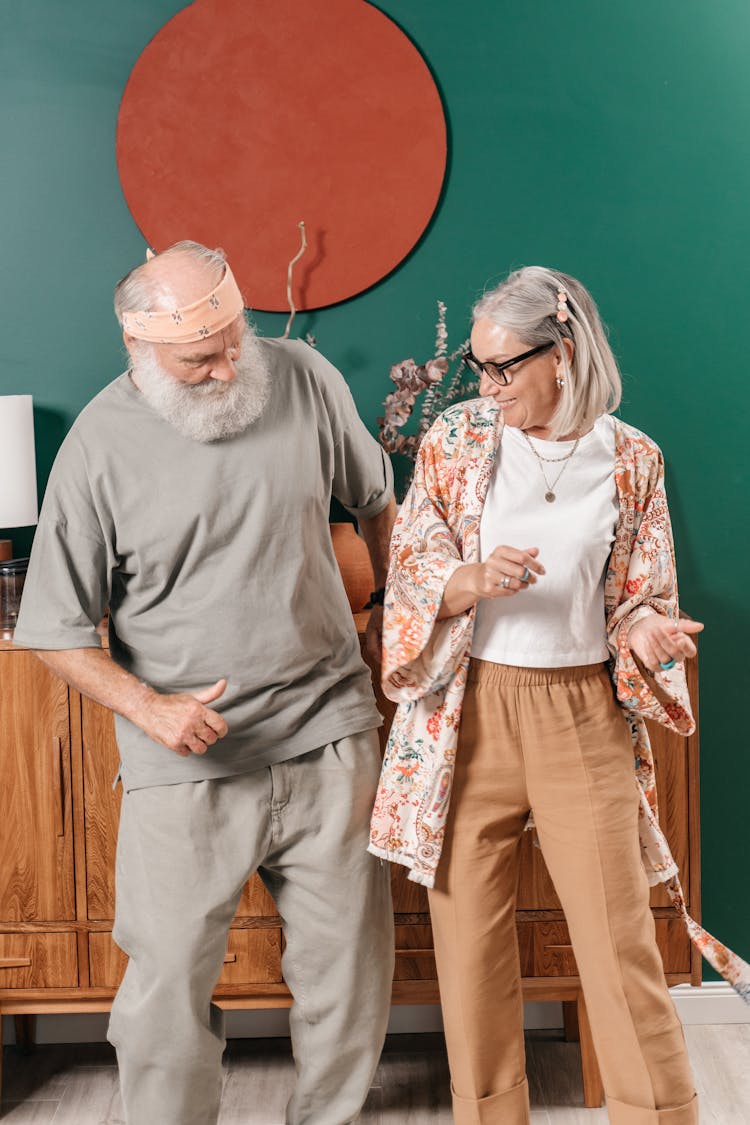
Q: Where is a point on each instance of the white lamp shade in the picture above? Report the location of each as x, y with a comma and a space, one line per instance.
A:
18, 503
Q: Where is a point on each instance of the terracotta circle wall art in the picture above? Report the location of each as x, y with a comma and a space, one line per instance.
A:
243, 117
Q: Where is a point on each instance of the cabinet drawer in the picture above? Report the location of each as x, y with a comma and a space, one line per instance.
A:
552, 951
38, 961
107, 962
546, 949
252, 957
415, 955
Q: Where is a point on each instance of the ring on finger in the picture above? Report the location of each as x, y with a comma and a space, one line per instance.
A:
665, 665
526, 575
506, 582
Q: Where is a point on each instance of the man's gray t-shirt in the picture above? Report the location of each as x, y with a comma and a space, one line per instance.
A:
215, 559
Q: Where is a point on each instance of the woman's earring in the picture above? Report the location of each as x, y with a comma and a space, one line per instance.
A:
560, 382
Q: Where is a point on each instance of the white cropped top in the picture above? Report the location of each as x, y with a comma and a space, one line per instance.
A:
559, 620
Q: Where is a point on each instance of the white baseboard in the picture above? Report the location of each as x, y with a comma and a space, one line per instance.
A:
713, 1002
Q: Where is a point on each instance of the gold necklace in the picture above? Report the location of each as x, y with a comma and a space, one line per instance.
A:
549, 495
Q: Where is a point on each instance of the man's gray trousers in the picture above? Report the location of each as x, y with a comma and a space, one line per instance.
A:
184, 853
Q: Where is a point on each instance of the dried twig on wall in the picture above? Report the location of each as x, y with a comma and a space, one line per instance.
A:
289, 273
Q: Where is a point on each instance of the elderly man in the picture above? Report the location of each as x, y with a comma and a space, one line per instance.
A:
191, 497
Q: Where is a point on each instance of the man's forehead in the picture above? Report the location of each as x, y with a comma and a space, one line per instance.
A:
187, 279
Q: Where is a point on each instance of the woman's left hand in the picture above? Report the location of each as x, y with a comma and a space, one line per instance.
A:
656, 640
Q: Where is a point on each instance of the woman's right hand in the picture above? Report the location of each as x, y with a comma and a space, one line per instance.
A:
499, 576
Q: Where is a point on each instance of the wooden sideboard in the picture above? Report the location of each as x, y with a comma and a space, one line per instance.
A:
58, 826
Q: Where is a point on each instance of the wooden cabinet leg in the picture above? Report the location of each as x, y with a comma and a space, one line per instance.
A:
25, 1027
593, 1090
570, 1021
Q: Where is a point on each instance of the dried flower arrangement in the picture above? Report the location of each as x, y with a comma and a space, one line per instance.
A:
440, 388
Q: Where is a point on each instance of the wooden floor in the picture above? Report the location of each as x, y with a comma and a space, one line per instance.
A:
77, 1084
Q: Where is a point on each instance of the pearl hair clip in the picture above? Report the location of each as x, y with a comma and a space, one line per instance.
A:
562, 306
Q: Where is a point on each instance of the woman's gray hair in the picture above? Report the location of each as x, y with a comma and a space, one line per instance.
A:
138, 291
526, 303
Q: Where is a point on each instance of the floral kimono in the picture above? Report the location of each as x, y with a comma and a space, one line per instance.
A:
425, 660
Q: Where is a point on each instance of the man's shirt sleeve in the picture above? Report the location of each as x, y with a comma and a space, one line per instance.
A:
362, 472
67, 587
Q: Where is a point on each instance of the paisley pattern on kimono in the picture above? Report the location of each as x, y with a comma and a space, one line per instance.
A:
425, 661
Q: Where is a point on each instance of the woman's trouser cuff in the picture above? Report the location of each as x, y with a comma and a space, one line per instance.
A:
622, 1114
509, 1108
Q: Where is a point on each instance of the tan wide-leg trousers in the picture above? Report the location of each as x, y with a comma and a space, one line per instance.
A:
183, 855
555, 741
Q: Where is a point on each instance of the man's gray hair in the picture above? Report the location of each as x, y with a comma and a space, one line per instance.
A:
526, 304
137, 291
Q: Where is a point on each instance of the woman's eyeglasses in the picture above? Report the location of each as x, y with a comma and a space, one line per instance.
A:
499, 372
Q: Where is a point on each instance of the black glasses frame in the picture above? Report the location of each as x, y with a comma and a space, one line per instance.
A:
498, 372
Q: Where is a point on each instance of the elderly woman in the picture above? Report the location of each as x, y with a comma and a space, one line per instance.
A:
532, 569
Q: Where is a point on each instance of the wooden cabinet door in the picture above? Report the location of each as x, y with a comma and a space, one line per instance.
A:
102, 815
36, 836
672, 782
101, 805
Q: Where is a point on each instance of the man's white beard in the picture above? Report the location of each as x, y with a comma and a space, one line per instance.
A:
211, 410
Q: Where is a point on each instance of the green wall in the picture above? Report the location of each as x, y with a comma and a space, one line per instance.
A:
608, 140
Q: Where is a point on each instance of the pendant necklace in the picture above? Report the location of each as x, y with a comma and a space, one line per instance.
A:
549, 495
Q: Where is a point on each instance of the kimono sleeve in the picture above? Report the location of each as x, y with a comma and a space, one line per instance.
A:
421, 651
650, 587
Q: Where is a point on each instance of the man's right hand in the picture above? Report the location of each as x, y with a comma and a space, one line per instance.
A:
183, 723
